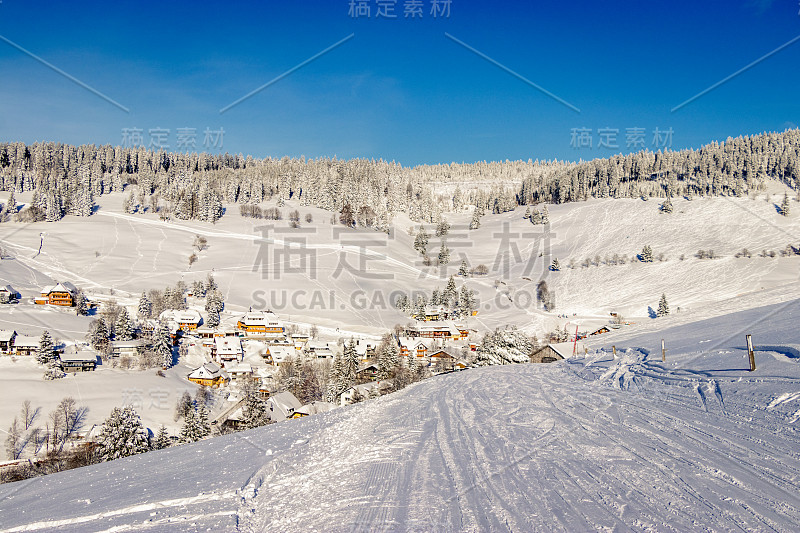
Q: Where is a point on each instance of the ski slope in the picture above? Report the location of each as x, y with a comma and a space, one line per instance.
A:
594, 443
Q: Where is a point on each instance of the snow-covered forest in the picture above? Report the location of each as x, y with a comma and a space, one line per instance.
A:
67, 179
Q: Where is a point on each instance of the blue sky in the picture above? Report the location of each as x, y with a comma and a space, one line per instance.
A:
400, 89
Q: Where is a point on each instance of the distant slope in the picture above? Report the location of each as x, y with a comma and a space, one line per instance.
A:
587, 444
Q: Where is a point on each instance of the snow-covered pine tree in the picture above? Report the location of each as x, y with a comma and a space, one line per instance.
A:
436, 298
536, 216
421, 241
555, 266
463, 270
212, 318
45, 353
195, 425
666, 207
450, 293
663, 307
211, 283
442, 228
527, 214
81, 307
349, 366
123, 328
162, 345
475, 223
255, 412
98, 334
785, 205
466, 301
162, 439
444, 254
545, 216
647, 254
145, 308
122, 435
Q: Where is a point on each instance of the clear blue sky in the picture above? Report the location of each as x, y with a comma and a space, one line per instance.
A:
399, 89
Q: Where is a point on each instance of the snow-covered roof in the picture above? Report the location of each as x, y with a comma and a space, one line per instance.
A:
241, 368
260, 318
7, 288
280, 354
64, 286
315, 408
411, 343
25, 341
228, 347
5, 335
185, 316
283, 404
131, 344
78, 355
209, 371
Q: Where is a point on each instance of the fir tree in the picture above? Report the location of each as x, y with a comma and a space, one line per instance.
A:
663, 308
45, 353
442, 228
162, 439
122, 435
466, 302
212, 318
123, 328
211, 283
195, 424
349, 367
647, 254
666, 207
545, 216
255, 412
555, 266
463, 270
536, 216
81, 307
162, 345
421, 241
527, 214
475, 223
145, 308
444, 254
785, 205
449, 295
98, 334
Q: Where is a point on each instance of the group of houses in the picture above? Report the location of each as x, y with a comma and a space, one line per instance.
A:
74, 358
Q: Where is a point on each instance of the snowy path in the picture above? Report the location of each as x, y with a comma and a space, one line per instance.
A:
570, 447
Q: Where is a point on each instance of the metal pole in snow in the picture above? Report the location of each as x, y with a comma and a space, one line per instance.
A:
751, 354
663, 351
575, 346
615, 350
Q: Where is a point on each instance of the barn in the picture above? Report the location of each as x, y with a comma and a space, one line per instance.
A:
551, 353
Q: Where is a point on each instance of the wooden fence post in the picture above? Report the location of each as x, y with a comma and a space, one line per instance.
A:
663, 351
615, 350
750, 353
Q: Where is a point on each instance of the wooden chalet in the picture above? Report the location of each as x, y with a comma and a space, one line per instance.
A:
7, 341
209, 375
261, 323
78, 359
61, 294
25, 345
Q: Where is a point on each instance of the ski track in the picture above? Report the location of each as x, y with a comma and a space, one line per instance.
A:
578, 456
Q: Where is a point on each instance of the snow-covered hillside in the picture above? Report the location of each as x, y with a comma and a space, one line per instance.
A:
698, 443
336, 277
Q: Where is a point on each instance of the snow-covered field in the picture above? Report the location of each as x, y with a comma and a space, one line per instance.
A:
348, 279
594, 443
